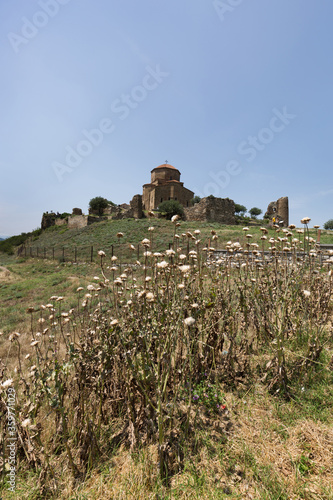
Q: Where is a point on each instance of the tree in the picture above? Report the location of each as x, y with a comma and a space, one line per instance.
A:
98, 204
329, 224
195, 199
240, 209
170, 208
255, 211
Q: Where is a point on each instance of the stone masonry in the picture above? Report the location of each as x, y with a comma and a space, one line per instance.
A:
211, 209
279, 210
165, 185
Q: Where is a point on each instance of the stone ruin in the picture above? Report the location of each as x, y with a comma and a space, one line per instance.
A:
278, 210
78, 220
211, 209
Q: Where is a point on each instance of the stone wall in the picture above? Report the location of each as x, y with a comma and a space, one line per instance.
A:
77, 211
283, 210
136, 206
133, 212
60, 222
211, 209
279, 209
79, 221
52, 219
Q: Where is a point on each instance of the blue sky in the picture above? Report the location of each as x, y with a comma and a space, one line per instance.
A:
95, 94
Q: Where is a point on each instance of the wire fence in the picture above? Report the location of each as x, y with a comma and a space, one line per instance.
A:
76, 254
131, 254
84, 253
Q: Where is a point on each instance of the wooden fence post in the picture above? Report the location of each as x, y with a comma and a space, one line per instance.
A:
91, 254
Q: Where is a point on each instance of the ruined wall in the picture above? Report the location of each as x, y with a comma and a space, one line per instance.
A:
53, 219
60, 222
279, 209
134, 211
77, 211
282, 206
77, 221
136, 206
212, 209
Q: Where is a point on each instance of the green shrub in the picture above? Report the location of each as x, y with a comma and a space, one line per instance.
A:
170, 208
329, 224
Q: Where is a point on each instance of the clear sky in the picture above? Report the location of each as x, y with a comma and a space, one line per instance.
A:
236, 94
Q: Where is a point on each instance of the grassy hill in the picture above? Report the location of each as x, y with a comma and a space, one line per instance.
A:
59, 240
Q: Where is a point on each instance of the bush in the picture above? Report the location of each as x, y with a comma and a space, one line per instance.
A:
98, 204
255, 211
170, 208
240, 209
195, 199
329, 224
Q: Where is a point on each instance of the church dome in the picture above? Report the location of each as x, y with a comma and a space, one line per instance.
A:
166, 165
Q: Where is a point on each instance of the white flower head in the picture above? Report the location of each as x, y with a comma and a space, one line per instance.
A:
189, 321
26, 422
162, 265
7, 383
150, 297
306, 293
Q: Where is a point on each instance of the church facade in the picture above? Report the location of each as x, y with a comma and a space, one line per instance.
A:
165, 185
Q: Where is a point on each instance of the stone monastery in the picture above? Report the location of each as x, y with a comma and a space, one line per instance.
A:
165, 185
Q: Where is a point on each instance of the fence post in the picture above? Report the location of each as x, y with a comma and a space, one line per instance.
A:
44, 253
138, 251
25, 251
53, 253
37, 252
63, 254
75, 254
30, 252
111, 250
91, 254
